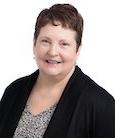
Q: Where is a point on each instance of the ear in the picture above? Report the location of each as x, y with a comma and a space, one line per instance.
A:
34, 42
78, 51
34, 45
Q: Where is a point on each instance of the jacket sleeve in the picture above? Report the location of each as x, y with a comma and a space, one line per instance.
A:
105, 118
5, 103
10, 95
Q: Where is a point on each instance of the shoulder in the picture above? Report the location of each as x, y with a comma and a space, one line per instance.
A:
23, 80
96, 92
18, 85
93, 92
97, 99
18, 82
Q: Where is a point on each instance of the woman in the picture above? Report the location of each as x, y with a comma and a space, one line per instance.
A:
58, 100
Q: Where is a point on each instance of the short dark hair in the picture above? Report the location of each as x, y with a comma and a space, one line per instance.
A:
66, 14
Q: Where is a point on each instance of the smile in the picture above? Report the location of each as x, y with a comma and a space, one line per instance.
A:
53, 61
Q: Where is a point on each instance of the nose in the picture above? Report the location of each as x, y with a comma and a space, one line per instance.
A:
53, 50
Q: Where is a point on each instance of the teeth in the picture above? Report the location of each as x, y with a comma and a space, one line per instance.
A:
53, 61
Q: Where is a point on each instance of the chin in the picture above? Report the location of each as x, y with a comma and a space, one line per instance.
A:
52, 72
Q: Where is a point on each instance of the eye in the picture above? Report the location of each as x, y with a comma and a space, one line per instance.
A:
65, 44
45, 41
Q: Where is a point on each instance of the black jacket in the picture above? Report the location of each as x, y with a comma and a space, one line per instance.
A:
85, 110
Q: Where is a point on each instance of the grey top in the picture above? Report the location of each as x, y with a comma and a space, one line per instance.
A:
33, 126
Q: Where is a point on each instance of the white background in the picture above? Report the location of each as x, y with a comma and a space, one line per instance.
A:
17, 20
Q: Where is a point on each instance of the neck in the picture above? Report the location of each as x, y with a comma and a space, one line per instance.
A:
54, 81
51, 88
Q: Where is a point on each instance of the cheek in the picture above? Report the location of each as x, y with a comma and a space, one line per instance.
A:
38, 52
70, 56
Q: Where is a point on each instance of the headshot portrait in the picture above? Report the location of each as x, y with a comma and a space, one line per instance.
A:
54, 83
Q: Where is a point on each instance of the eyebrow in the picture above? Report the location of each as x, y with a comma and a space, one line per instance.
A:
45, 37
48, 38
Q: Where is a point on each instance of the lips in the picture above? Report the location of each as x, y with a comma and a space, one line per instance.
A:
53, 61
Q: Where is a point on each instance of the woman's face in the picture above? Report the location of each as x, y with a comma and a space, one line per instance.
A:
55, 50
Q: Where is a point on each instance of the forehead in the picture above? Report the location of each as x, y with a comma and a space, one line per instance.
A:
57, 31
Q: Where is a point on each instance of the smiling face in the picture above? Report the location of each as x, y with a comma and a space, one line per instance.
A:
55, 50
